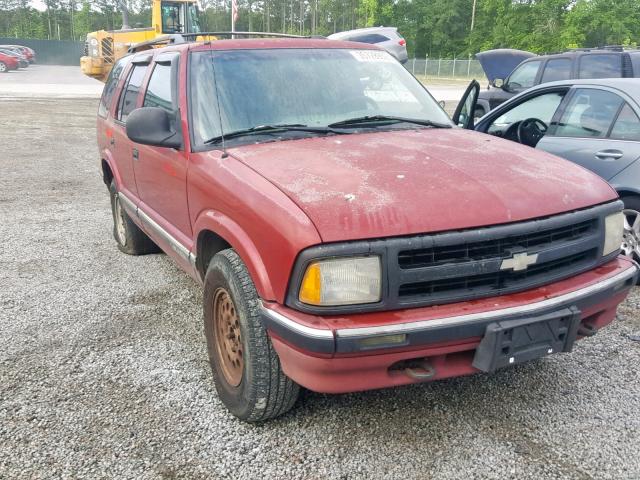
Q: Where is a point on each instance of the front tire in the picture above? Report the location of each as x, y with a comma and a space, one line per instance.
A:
246, 368
129, 237
3, 68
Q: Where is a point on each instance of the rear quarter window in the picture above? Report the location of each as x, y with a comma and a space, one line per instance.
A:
129, 96
111, 85
606, 65
369, 38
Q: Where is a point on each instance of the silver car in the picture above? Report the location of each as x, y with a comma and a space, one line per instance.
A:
384, 37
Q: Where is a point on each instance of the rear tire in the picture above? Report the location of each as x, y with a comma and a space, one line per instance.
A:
246, 368
130, 239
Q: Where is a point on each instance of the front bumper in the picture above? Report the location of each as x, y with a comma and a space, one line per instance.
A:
92, 66
347, 353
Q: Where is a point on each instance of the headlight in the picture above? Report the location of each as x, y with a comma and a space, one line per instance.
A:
613, 230
342, 281
93, 42
93, 51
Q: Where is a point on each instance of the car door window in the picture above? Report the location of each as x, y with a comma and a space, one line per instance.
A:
590, 113
111, 85
369, 38
524, 76
541, 107
159, 91
626, 126
601, 66
556, 69
129, 96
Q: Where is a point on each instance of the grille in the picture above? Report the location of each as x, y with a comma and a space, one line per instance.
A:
500, 280
498, 248
463, 265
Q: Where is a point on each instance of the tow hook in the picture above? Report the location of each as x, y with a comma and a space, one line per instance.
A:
586, 330
420, 370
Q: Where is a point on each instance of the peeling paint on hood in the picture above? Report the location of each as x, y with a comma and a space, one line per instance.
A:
419, 181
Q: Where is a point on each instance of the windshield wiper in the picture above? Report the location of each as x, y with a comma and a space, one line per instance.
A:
297, 127
352, 122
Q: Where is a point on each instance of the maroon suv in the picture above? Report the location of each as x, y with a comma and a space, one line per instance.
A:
347, 235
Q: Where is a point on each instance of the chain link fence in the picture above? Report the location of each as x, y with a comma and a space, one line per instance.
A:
446, 69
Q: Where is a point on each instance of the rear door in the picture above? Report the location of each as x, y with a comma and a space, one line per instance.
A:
161, 172
599, 128
120, 143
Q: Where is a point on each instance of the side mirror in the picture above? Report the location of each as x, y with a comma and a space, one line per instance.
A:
498, 82
153, 126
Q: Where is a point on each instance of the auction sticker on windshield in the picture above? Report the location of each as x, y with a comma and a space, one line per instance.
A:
372, 56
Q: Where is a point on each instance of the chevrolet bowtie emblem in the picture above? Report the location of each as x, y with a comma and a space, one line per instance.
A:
519, 261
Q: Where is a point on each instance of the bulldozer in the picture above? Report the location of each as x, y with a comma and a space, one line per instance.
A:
103, 48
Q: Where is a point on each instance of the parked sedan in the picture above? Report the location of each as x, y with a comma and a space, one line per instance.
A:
594, 123
22, 60
28, 53
7, 63
383, 37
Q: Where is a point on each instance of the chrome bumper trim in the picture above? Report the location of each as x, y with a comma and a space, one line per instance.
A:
295, 326
426, 325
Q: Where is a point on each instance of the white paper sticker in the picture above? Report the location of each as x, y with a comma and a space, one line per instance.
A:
371, 56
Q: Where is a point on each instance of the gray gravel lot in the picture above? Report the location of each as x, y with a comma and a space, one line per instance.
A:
103, 369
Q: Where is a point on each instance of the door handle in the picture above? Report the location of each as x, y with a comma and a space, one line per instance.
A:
112, 141
135, 154
605, 154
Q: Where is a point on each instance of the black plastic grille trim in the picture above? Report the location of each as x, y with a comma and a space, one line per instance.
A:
499, 248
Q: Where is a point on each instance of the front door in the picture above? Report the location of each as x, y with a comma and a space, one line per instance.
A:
598, 129
464, 113
161, 173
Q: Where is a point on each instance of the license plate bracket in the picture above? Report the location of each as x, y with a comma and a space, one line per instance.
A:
510, 342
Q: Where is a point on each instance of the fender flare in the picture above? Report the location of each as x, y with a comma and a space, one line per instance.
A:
107, 157
235, 236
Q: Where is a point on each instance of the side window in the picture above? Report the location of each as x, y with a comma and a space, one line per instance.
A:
524, 76
129, 95
111, 85
606, 65
590, 113
627, 125
541, 107
556, 69
369, 38
159, 90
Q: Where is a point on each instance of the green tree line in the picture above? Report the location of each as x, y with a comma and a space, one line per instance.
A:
438, 28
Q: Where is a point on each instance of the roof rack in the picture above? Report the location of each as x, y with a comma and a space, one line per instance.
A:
177, 38
611, 48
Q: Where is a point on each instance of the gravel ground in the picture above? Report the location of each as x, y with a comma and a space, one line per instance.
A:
103, 369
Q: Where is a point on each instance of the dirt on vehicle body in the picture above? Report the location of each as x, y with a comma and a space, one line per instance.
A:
348, 236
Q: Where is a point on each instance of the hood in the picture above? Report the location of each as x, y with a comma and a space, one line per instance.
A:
420, 181
501, 62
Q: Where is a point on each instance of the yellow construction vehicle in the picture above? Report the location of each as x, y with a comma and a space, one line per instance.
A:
103, 48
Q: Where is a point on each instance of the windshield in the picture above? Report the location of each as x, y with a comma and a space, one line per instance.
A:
312, 87
179, 17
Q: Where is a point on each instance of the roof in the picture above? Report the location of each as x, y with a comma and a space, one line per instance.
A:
630, 86
363, 30
266, 43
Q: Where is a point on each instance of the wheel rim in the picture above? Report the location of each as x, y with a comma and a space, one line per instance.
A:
3, 67
119, 220
228, 337
631, 236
